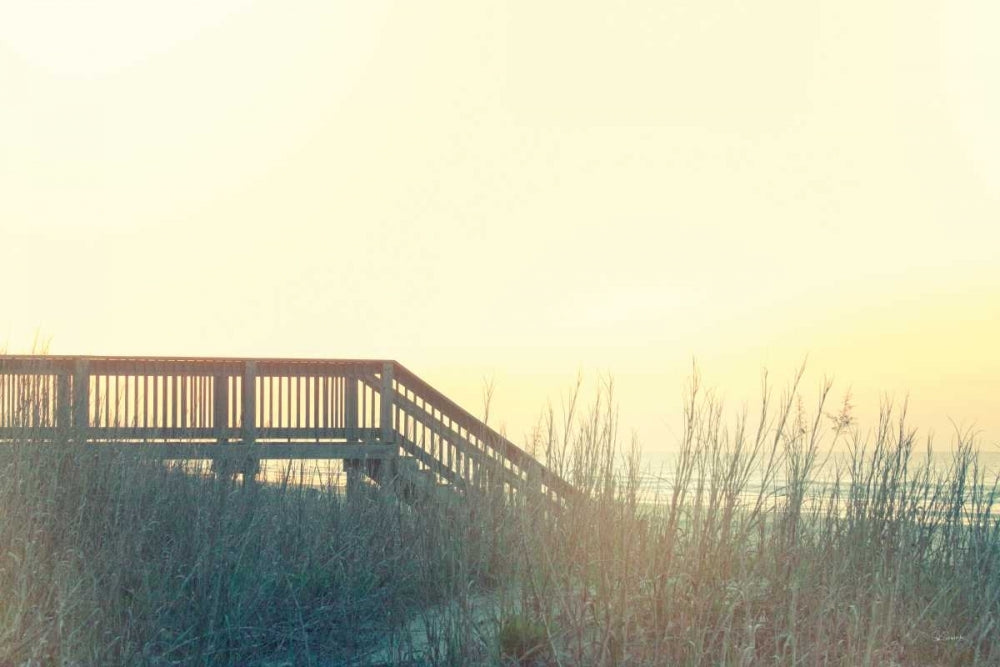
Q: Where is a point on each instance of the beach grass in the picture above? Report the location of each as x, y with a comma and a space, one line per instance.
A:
745, 558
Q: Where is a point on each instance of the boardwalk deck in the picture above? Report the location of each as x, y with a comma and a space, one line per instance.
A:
200, 408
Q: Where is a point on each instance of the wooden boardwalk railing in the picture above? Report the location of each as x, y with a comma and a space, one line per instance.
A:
193, 408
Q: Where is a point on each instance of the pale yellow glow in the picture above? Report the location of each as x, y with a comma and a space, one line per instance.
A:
517, 190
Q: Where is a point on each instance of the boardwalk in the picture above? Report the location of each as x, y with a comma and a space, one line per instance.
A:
373, 414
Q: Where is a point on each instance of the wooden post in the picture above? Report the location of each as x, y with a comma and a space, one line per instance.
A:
220, 407
351, 407
64, 404
352, 469
81, 397
533, 486
250, 403
251, 466
387, 404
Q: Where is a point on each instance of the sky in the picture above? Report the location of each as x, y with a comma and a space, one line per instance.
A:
518, 193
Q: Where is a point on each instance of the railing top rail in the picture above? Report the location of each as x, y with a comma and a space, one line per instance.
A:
284, 360
10, 363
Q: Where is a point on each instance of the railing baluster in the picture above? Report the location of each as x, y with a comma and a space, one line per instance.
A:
281, 404
185, 381
271, 403
313, 383
156, 400
303, 402
259, 394
231, 409
300, 402
320, 402
364, 395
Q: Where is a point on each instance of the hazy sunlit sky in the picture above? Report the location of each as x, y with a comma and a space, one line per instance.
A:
519, 191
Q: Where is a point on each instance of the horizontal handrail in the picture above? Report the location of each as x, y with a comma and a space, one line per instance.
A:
502, 449
230, 366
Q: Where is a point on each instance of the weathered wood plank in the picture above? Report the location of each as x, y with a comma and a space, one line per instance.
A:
127, 433
194, 451
36, 365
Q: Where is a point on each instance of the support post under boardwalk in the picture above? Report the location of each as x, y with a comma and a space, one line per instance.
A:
352, 469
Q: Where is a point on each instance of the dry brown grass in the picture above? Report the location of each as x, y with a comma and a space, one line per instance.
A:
744, 560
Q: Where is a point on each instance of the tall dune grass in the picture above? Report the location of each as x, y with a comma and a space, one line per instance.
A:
745, 559
110, 560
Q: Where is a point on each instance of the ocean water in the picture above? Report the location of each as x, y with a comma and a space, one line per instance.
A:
658, 466
657, 478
